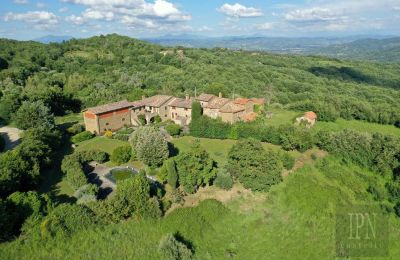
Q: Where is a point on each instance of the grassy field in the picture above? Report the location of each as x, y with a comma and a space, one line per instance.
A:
296, 219
361, 126
100, 143
218, 149
282, 116
70, 118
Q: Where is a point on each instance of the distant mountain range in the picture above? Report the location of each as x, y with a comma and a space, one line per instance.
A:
384, 50
374, 48
53, 38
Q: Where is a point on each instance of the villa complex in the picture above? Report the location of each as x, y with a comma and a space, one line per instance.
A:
111, 117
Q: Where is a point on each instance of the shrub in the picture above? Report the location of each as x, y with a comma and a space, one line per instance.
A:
122, 137
173, 129
121, 154
142, 119
108, 134
172, 175
173, 249
223, 180
255, 167
288, 161
66, 219
86, 135
195, 168
76, 129
157, 119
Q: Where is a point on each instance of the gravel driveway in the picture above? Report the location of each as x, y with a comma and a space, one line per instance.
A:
11, 136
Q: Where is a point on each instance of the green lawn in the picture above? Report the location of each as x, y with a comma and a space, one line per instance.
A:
282, 116
218, 149
70, 118
100, 143
361, 126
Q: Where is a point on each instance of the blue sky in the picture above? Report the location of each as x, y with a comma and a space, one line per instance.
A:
29, 19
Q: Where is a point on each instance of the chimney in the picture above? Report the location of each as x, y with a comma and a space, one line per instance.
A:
220, 94
143, 97
187, 97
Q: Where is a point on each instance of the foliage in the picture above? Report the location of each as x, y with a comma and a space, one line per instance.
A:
223, 180
132, 199
149, 145
195, 168
173, 129
142, 119
72, 166
253, 166
173, 249
65, 75
86, 193
121, 154
76, 129
157, 119
287, 161
66, 219
196, 110
172, 175
33, 115
108, 134
20, 168
83, 136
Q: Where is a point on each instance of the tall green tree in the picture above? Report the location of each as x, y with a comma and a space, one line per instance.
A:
150, 145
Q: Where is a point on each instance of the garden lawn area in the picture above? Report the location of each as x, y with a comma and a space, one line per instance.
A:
282, 116
217, 148
100, 143
70, 118
358, 125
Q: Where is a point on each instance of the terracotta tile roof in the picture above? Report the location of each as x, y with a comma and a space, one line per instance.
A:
241, 101
137, 103
182, 102
310, 115
110, 107
258, 101
205, 97
156, 101
231, 107
249, 117
217, 102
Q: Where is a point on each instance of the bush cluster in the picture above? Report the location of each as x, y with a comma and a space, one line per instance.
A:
72, 166
83, 136
121, 154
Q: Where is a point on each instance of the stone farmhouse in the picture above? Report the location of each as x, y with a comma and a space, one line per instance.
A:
113, 116
309, 118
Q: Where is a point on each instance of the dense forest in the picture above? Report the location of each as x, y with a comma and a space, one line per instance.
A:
80, 73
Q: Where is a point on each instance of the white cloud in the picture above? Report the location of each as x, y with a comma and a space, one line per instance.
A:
39, 19
40, 5
78, 20
315, 14
133, 13
264, 26
21, 2
339, 15
238, 11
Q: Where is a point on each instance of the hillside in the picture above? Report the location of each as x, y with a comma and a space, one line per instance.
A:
382, 50
109, 68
